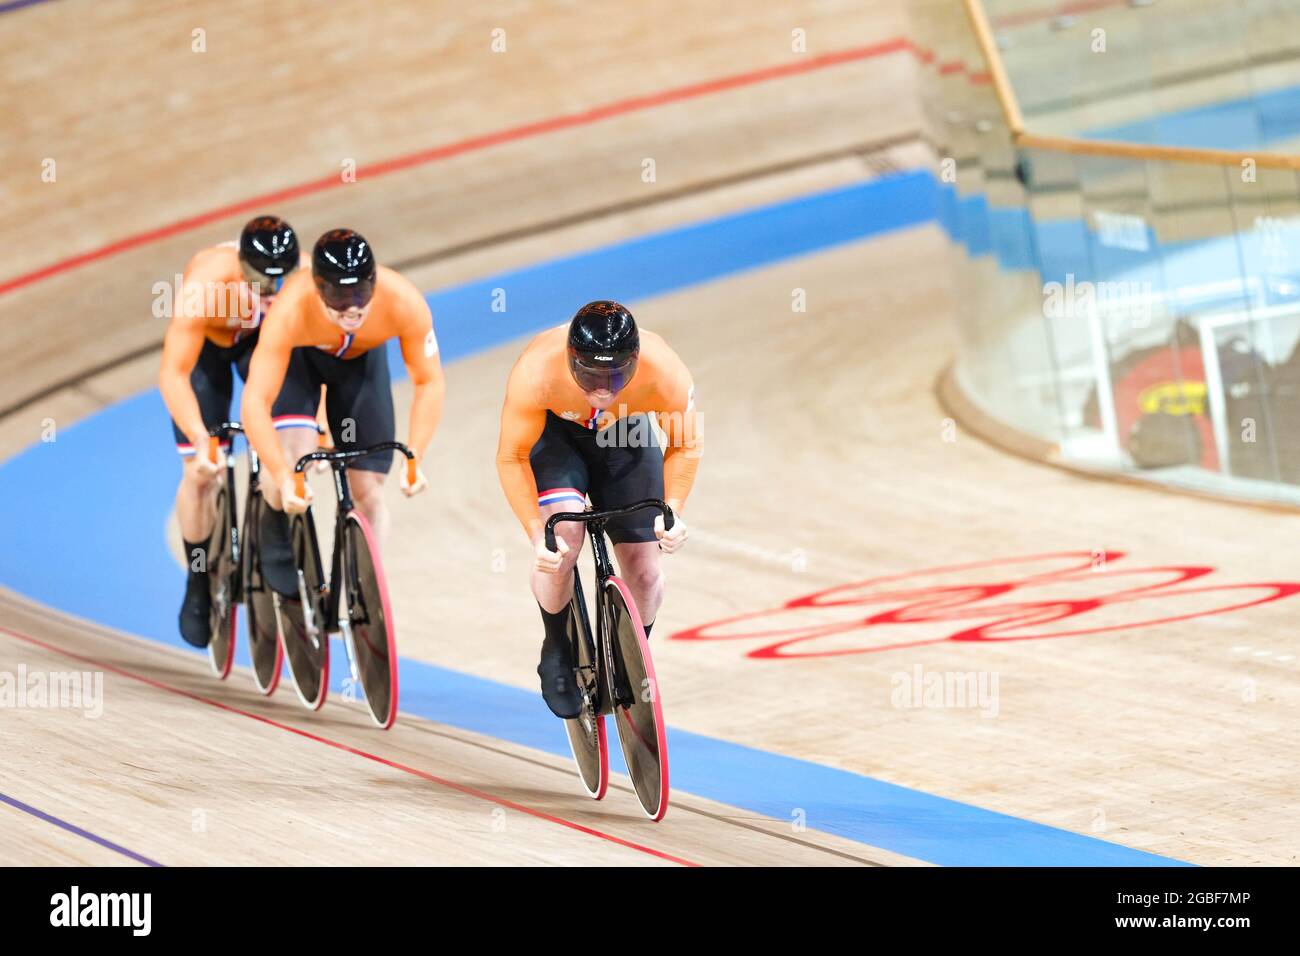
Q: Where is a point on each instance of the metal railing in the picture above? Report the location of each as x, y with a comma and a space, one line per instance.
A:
1135, 303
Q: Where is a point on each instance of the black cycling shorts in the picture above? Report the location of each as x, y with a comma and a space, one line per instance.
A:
358, 398
617, 467
213, 381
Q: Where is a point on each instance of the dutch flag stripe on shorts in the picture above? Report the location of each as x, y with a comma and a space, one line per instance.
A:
295, 421
187, 450
553, 495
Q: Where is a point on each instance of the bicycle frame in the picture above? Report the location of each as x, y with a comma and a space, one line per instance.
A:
215, 436
342, 573
606, 696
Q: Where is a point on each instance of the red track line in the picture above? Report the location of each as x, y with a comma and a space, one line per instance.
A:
451, 784
511, 134
1051, 13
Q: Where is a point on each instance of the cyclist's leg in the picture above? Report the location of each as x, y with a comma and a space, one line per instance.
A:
213, 384
631, 469
639, 567
294, 410
294, 414
561, 476
196, 495
359, 405
368, 496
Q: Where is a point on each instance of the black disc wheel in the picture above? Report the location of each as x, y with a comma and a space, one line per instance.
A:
264, 646
586, 732
222, 586
302, 621
370, 621
637, 711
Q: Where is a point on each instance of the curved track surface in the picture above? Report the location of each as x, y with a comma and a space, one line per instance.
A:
859, 563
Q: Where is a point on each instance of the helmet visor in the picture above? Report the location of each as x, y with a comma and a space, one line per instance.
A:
350, 292
268, 283
602, 373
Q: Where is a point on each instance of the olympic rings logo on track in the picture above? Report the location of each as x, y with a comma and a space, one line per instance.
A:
1063, 594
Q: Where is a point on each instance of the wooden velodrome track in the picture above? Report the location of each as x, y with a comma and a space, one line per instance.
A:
829, 461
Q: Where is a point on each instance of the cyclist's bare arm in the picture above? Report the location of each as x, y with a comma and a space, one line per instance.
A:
181, 348
266, 373
182, 344
522, 422
420, 353
685, 440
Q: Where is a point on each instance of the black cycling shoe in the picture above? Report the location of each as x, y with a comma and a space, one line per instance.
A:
196, 611
275, 552
559, 683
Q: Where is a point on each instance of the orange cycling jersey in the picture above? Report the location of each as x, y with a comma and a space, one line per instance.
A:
214, 304
541, 382
298, 319
216, 299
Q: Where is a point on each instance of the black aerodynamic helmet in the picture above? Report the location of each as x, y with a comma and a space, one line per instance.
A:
268, 252
343, 267
603, 346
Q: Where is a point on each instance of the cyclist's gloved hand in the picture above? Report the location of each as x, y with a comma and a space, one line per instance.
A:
289, 500
547, 561
420, 482
671, 540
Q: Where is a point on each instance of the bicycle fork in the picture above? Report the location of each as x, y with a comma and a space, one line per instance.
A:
339, 581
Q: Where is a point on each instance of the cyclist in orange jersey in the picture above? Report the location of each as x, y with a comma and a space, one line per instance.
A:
216, 321
579, 409
330, 327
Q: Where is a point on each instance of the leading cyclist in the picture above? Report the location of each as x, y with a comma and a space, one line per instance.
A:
563, 437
